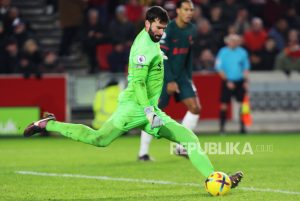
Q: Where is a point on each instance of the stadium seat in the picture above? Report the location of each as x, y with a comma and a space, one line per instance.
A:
102, 51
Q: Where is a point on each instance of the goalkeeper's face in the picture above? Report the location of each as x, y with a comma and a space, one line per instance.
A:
155, 30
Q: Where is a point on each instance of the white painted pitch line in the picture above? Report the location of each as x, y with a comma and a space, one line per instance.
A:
106, 178
269, 190
146, 181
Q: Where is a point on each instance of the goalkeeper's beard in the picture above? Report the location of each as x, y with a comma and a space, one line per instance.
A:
154, 37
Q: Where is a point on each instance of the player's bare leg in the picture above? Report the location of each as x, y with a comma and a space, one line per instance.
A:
243, 129
223, 113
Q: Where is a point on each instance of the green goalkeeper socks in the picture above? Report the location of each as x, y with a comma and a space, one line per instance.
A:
101, 138
179, 134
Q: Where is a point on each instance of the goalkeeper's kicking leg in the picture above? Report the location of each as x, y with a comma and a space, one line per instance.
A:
179, 134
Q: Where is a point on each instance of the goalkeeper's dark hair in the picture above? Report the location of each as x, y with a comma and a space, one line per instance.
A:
157, 12
180, 2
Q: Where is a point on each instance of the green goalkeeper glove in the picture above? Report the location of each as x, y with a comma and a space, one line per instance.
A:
154, 120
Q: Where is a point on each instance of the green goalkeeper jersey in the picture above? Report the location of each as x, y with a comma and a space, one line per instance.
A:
145, 72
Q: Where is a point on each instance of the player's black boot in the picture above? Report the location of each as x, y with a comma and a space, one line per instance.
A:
236, 179
145, 157
38, 126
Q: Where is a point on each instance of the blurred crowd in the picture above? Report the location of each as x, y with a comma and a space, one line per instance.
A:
106, 29
20, 50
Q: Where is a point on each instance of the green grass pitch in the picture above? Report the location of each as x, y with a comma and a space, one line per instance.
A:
271, 173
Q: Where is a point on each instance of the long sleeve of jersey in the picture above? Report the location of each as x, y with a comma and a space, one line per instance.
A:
139, 76
166, 45
189, 64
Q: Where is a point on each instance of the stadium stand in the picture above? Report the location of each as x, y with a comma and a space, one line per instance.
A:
42, 21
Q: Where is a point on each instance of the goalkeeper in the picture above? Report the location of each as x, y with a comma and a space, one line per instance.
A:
138, 102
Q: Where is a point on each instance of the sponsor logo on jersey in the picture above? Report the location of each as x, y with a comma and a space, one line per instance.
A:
178, 50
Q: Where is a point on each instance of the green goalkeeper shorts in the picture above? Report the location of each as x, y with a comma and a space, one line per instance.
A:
130, 115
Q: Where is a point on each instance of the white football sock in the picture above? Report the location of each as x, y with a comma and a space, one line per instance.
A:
190, 121
145, 143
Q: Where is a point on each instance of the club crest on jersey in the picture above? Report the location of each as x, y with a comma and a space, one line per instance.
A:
141, 59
